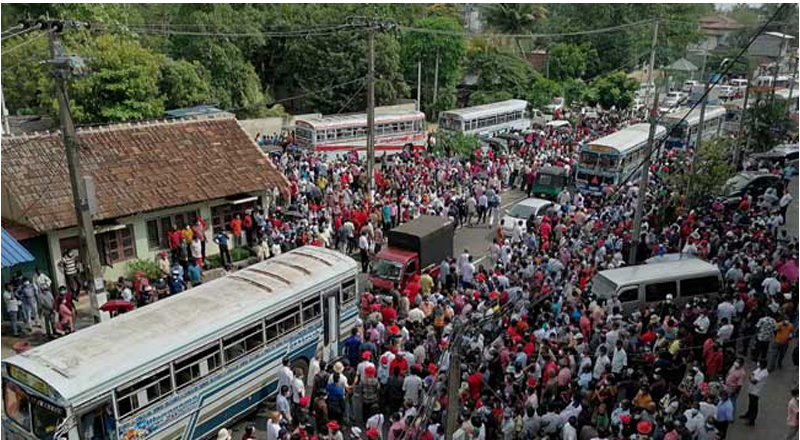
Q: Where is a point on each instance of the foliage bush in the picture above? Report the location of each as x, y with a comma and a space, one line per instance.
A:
460, 144
240, 253
150, 269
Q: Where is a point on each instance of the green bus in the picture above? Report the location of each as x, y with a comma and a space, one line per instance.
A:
550, 181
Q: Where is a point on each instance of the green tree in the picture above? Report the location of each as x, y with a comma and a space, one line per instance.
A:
457, 143
570, 60
613, 90
575, 91
122, 84
184, 84
27, 83
426, 48
514, 18
768, 122
711, 169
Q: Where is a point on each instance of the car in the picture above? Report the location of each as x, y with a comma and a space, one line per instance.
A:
556, 104
523, 209
753, 183
688, 85
780, 154
673, 99
726, 92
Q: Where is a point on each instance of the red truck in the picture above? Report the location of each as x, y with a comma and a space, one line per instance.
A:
416, 247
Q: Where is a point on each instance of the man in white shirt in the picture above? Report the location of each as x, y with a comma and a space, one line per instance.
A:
285, 375
771, 285
620, 359
725, 310
725, 331
601, 363
363, 249
757, 380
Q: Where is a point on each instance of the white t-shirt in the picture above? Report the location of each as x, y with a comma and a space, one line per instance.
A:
759, 377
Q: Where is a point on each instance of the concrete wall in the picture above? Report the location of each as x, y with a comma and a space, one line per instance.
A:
139, 225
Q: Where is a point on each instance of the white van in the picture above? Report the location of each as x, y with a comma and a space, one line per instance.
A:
638, 286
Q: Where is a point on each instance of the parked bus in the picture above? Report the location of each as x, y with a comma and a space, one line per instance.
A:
684, 135
487, 120
188, 365
613, 158
339, 134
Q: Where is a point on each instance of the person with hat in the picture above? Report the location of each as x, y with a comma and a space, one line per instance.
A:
334, 431
370, 392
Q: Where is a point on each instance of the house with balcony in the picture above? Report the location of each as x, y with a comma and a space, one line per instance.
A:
146, 176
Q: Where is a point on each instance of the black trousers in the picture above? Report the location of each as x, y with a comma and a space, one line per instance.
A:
752, 408
364, 260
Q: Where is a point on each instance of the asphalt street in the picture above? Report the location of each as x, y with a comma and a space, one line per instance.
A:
771, 422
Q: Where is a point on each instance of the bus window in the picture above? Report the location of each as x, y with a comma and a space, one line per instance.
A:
312, 310
143, 392
16, 405
607, 161
242, 342
283, 323
659, 291
699, 286
348, 291
197, 365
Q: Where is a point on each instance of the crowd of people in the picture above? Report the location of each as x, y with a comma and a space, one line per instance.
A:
539, 355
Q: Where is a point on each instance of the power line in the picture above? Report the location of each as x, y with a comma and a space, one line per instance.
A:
694, 106
12, 28
273, 34
551, 35
24, 31
25, 43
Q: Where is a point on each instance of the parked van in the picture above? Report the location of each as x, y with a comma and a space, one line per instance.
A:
639, 286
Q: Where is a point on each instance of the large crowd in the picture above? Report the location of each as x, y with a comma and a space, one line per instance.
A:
540, 356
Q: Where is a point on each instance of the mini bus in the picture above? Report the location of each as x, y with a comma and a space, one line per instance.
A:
643, 285
346, 134
683, 133
613, 158
487, 120
188, 365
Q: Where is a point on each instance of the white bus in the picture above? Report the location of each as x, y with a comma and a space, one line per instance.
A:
613, 158
339, 134
487, 120
186, 366
684, 135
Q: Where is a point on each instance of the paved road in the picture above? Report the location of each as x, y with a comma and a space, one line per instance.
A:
771, 422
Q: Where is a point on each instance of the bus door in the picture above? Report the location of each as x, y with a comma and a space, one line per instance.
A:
97, 420
330, 315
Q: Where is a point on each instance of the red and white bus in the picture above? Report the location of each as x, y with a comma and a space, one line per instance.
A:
340, 134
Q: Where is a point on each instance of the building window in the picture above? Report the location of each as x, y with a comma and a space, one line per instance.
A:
222, 215
116, 246
158, 228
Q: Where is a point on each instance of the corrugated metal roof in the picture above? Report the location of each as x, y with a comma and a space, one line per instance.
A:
12, 252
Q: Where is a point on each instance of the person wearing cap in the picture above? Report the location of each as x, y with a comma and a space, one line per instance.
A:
370, 392
334, 431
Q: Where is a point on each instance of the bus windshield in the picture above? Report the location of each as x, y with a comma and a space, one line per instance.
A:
543, 179
31, 413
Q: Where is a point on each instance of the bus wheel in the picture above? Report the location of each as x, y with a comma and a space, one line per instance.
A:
302, 365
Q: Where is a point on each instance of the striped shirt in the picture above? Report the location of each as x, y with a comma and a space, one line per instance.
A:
70, 264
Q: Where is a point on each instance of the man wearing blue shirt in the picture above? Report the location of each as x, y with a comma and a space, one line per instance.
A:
221, 239
724, 414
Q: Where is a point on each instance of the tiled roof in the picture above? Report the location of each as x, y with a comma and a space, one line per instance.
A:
136, 168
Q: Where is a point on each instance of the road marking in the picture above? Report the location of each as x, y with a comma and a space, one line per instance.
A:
480, 259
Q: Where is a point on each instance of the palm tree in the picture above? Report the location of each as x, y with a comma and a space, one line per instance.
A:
514, 18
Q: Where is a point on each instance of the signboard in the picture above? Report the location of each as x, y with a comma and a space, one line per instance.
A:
599, 148
32, 381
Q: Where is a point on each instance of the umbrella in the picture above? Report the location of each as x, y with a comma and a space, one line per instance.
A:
117, 305
789, 269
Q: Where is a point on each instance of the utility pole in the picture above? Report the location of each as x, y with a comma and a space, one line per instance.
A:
436, 81
66, 67
6, 125
644, 179
739, 152
701, 125
419, 85
453, 386
791, 86
371, 116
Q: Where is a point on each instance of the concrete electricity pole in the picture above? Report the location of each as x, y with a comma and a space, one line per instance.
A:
66, 67
645, 176
419, 86
453, 386
371, 117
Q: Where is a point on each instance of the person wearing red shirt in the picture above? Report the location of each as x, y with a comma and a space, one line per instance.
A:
236, 229
247, 226
475, 382
389, 314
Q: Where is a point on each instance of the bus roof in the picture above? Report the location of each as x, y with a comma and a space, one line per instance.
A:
693, 117
627, 138
666, 269
358, 119
488, 109
99, 358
